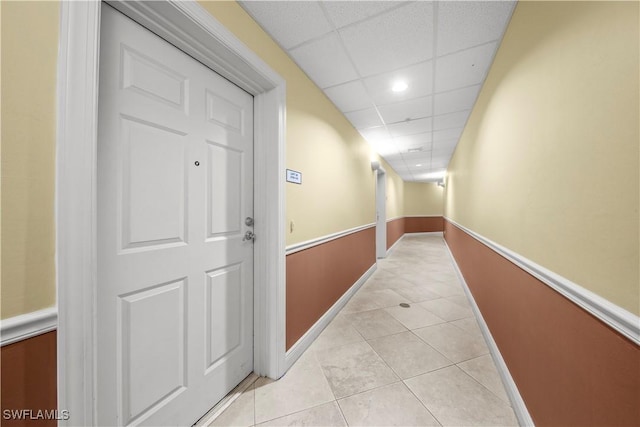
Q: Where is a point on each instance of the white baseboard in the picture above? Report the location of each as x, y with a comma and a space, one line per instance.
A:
394, 245
518, 405
28, 325
309, 337
426, 233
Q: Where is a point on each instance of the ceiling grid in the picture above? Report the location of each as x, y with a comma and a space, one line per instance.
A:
355, 51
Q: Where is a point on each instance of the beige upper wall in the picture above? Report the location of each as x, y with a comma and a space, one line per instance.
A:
395, 192
338, 185
423, 199
548, 162
29, 56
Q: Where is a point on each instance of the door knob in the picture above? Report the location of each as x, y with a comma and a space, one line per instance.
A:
249, 235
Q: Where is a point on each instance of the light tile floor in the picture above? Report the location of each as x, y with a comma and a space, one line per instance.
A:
378, 364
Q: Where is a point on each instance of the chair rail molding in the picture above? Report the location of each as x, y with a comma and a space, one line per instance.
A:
297, 247
28, 325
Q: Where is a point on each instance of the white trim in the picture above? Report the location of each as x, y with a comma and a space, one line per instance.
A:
191, 28
623, 321
309, 337
426, 233
28, 325
297, 247
517, 403
395, 218
77, 112
391, 249
381, 213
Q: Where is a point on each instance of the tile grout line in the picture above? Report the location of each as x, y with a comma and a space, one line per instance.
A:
508, 403
421, 402
399, 379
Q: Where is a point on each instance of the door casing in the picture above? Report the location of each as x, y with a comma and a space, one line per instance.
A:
192, 29
381, 213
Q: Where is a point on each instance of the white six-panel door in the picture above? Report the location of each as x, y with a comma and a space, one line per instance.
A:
175, 185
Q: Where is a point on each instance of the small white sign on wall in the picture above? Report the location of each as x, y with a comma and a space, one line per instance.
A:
294, 176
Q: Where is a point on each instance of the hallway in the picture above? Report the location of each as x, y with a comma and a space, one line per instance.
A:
381, 364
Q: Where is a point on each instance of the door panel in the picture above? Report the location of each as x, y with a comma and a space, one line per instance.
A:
153, 348
154, 185
175, 278
224, 307
224, 183
148, 77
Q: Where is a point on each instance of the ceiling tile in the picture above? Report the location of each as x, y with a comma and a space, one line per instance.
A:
416, 170
394, 158
470, 23
350, 96
419, 78
420, 157
455, 100
363, 119
444, 147
399, 166
355, 50
343, 13
289, 23
412, 109
410, 128
451, 120
395, 39
441, 155
379, 140
446, 135
464, 68
376, 134
428, 175
385, 149
439, 164
324, 61
405, 143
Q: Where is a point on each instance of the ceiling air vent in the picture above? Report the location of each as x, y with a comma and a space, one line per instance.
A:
414, 150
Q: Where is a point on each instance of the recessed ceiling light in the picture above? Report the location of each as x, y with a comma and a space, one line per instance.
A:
419, 164
399, 86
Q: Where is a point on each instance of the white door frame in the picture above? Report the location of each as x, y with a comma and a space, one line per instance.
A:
381, 213
191, 28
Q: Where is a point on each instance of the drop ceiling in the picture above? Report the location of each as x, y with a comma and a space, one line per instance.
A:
356, 50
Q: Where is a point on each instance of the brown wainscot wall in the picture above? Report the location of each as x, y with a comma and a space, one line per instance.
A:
29, 379
397, 227
318, 276
395, 230
571, 369
423, 224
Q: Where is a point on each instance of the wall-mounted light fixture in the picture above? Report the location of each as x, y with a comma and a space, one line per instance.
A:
376, 166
